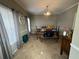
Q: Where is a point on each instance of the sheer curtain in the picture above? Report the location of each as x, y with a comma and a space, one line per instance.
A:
16, 22
8, 21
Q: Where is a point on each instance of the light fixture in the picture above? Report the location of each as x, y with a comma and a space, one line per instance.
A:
64, 33
47, 12
41, 53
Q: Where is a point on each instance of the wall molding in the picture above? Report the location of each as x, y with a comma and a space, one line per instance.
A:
66, 9
75, 47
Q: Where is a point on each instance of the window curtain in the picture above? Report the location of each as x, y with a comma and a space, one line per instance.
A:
3, 42
16, 23
8, 20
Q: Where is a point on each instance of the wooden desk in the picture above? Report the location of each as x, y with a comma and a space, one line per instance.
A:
48, 33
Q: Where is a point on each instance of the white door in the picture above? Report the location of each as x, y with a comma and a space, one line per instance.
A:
74, 52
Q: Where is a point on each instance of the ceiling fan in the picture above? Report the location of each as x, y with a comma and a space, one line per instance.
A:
46, 12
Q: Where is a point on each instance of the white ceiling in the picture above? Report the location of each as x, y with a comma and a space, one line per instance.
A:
37, 7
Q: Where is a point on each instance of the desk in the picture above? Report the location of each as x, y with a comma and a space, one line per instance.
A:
48, 34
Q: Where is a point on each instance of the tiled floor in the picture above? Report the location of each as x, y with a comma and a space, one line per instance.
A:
36, 49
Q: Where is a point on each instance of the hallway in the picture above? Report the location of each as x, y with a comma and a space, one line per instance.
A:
36, 49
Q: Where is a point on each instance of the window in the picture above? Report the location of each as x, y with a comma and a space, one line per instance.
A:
29, 28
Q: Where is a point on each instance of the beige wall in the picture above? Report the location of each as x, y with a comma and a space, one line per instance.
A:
67, 18
23, 25
42, 21
64, 19
12, 4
